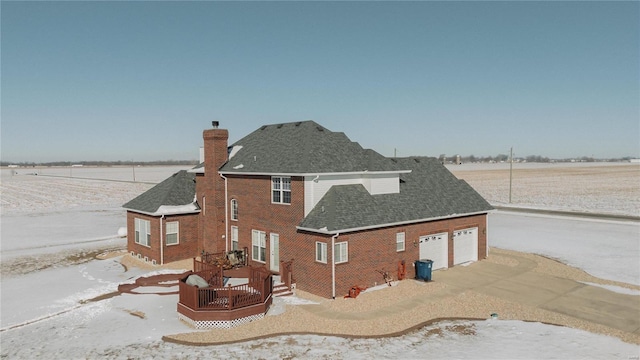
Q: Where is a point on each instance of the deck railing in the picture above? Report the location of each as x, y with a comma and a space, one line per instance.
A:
286, 275
219, 297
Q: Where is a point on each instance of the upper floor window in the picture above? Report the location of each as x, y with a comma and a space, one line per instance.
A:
234, 209
143, 232
172, 232
281, 190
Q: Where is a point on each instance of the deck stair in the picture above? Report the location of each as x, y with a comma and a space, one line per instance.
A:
280, 288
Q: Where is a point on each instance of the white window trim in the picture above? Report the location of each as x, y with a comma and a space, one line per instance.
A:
259, 239
139, 230
234, 237
234, 209
323, 252
177, 232
339, 260
281, 190
400, 239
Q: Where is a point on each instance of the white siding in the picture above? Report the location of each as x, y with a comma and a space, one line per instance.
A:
374, 183
384, 184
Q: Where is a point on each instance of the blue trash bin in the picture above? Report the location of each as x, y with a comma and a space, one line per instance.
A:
423, 269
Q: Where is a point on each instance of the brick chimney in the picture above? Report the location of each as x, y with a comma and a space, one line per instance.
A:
213, 214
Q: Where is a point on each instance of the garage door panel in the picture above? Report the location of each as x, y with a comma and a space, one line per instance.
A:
435, 247
465, 245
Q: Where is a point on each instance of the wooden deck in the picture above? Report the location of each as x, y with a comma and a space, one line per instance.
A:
222, 306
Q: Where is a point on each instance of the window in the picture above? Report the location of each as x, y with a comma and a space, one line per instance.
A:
321, 252
258, 245
400, 241
341, 252
234, 238
281, 190
143, 232
172, 232
234, 209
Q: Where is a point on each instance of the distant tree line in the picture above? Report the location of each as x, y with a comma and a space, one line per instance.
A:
531, 158
103, 163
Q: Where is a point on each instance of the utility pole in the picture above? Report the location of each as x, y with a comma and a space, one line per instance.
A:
510, 172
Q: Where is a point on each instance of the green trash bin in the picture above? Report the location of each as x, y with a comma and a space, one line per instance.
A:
423, 269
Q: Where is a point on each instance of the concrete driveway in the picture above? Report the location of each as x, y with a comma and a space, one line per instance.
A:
523, 285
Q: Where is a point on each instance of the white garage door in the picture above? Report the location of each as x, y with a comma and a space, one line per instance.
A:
465, 245
435, 248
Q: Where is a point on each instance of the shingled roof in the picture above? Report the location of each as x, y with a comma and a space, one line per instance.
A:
302, 147
174, 195
428, 192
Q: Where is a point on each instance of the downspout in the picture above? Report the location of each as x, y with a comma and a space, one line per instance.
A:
226, 215
333, 265
161, 242
486, 233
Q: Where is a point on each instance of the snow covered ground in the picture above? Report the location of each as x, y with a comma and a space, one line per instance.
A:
603, 248
47, 311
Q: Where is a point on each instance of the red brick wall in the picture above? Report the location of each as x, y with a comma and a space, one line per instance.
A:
153, 251
374, 250
213, 188
256, 212
369, 251
187, 246
188, 237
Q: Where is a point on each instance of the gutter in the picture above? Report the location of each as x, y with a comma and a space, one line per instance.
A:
226, 214
399, 223
364, 172
163, 214
161, 242
333, 265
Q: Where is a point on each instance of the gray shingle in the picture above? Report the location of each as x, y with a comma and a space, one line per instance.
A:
301, 148
429, 191
178, 189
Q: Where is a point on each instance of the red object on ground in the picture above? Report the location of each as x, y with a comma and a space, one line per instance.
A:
354, 291
402, 270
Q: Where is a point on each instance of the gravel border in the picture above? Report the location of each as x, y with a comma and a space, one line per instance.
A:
392, 311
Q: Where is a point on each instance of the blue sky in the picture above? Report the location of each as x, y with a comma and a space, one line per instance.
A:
141, 80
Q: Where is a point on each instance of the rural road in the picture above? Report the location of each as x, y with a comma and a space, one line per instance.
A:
568, 213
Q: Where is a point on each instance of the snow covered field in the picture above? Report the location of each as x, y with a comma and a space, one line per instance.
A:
69, 220
62, 211
612, 188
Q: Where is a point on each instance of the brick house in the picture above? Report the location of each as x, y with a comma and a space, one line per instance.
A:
300, 191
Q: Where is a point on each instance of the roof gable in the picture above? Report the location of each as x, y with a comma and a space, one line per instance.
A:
301, 148
169, 196
429, 191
